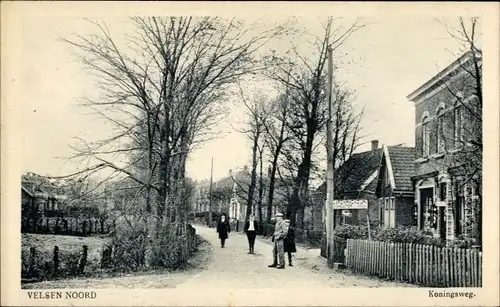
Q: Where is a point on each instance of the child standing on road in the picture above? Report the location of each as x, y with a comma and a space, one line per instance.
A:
289, 242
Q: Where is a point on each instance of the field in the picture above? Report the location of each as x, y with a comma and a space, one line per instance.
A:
46, 243
70, 248
160, 278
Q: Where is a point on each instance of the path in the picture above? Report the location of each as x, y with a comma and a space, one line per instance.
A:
233, 267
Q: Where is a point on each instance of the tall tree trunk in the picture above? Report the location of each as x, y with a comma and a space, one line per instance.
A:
272, 177
261, 188
297, 201
251, 188
270, 194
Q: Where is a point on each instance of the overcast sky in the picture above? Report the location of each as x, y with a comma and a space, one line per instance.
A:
383, 63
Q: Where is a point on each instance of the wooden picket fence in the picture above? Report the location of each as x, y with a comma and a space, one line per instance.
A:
419, 264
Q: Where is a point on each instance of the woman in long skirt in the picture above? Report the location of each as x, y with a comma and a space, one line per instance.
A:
289, 242
223, 229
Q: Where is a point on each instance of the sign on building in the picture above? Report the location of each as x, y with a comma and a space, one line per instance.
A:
350, 204
346, 213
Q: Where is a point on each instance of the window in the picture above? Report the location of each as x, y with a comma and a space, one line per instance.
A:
442, 191
425, 137
432, 213
458, 130
381, 210
459, 207
415, 214
440, 131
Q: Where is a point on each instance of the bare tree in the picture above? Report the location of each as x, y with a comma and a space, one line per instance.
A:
306, 79
257, 112
162, 87
276, 135
460, 133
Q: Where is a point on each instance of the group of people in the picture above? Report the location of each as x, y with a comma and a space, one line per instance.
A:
283, 238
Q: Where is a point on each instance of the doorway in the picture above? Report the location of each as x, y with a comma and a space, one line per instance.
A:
442, 224
426, 204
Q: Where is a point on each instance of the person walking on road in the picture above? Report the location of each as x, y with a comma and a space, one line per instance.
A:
289, 242
223, 229
251, 229
280, 231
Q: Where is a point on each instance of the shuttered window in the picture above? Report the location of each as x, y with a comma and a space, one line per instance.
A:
458, 131
433, 137
440, 131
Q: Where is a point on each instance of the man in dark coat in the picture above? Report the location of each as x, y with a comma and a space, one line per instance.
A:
223, 229
289, 242
251, 229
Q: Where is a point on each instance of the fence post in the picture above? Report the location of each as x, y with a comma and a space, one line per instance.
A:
480, 269
83, 260
56, 259
31, 270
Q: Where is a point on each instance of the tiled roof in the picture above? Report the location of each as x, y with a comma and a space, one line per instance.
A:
355, 171
403, 167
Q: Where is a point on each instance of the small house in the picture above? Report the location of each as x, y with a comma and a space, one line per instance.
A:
394, 188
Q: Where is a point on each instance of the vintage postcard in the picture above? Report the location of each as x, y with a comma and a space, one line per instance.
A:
256, 154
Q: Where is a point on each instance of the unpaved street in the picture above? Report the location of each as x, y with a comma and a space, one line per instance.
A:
232, 267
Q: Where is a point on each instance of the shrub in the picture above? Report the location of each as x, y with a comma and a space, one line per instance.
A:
462, 242
37, 267
396, 235
347, 231
69, 263
43, 266
128, 249
407, 235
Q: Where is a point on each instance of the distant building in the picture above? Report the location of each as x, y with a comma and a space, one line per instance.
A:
230, 195
41, 195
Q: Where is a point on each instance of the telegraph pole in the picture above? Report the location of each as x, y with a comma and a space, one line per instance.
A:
330, 167
210, 199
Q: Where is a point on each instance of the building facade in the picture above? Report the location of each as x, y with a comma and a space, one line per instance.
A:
394, 187
382, 177
448, 164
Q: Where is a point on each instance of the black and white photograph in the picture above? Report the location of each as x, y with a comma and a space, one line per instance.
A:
281, 152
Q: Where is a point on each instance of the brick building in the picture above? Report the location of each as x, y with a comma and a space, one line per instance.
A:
448, 164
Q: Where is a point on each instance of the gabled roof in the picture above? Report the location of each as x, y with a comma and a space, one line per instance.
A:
242, 177
357, 173
401, 167
26, 190
41, 186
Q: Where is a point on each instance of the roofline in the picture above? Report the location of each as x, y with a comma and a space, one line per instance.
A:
27, 191
440, 75
369, 180
389, 167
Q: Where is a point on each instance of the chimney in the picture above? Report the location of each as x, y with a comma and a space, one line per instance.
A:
374, 145
245, 168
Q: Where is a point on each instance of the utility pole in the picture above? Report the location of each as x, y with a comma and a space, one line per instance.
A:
210, 193
330, 167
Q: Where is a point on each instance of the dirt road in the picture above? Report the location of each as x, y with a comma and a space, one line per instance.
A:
233, 267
